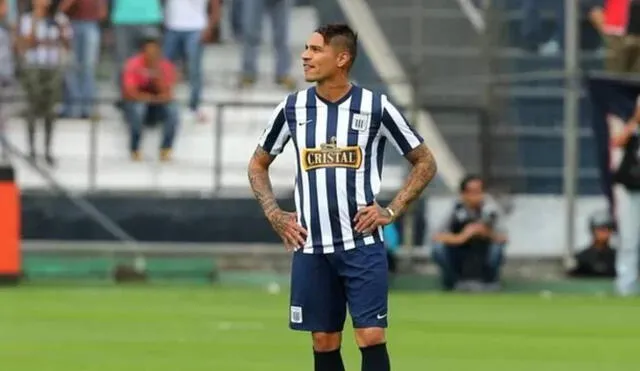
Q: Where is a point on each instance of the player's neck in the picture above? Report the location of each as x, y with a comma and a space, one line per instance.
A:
333, 91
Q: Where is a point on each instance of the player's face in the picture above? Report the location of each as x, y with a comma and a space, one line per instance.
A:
474, 194
320, 60
3, 8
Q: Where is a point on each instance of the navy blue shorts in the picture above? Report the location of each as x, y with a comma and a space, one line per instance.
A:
323, 285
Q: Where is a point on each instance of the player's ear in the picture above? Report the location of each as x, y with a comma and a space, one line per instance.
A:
344, 58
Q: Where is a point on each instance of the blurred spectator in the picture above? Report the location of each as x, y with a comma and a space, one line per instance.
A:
85, 18
253, 13
469, 245
531, 28
598, 259
392, 243
536, 37
627, 204
236, 18
188, 28
7, 70
148, 84
45, 37
619, 23
133, 21
7, 64
11, 15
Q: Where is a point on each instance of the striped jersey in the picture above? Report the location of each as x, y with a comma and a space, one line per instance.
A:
339, 148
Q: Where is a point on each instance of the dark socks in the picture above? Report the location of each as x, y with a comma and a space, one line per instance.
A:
375, 358
328, 361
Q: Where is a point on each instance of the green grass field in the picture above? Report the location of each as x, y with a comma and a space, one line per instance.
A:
209, 328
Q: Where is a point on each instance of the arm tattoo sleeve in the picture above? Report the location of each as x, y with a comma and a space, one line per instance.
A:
260, 182
424, 169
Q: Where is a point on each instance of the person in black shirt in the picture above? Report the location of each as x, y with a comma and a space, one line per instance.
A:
599, 258
469, 245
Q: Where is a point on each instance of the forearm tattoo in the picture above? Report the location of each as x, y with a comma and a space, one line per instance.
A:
260, 182
424, 169
279, 222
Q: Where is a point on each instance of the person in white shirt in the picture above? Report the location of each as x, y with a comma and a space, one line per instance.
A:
6, 71
44, 41
6, 47
189, 25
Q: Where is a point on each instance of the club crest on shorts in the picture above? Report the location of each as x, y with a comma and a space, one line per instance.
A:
296, 314
360, 121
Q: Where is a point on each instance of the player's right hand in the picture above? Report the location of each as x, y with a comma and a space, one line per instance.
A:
286, 225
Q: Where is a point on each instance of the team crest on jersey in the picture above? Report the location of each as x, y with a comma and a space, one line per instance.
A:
360, 121
330, 155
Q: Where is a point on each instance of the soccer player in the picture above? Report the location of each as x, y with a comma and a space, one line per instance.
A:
339, 131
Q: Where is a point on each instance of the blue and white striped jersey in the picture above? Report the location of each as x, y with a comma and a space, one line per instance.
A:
339, 149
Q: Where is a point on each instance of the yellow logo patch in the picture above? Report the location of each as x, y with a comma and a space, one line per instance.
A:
330, 155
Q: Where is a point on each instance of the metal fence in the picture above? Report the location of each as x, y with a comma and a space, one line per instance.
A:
229, 135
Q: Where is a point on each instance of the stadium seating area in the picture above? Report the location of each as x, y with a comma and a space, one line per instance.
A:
236, 119
530, 116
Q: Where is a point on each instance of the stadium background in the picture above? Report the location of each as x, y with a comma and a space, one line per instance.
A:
483, 104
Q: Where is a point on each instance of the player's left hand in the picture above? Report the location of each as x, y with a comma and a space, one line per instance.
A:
369, 218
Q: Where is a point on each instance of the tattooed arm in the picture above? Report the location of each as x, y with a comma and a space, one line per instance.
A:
424, 168
410, 144
284, 223
260, 181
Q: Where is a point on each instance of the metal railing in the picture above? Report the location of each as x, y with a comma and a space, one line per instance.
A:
219, 130
220, 160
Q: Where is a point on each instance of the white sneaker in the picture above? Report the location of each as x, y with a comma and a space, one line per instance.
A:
198, 116
550, 48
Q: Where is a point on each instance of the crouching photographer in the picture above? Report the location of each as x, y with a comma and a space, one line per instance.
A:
598, 259
469, 246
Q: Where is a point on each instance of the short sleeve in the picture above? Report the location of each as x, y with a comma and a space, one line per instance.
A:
397, 130
445, 225
170, 73
500, 226
276, 134
492, 211
129, 74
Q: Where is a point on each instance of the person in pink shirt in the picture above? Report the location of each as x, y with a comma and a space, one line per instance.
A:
148, 83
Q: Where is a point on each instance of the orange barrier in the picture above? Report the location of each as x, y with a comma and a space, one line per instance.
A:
10, 257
